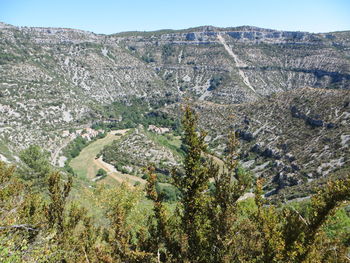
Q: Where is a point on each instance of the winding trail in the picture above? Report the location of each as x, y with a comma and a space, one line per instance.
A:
239, 64
56, 153
86, 165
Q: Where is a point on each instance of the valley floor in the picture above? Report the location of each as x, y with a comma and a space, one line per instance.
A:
86, 165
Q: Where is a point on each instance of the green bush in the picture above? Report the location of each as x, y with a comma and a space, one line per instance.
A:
74, 148
168, 50
169, 192
215, 82
101, 173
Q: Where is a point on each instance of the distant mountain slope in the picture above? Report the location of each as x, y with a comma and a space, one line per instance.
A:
289, 138
245, 63
52, 79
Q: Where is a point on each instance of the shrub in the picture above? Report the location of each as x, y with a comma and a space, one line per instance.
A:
101, 172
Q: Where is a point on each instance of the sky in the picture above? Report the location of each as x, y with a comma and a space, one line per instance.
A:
108, 16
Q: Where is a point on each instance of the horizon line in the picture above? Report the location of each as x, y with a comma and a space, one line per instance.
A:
171, 29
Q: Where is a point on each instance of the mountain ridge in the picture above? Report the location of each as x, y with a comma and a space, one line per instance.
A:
195, 28
53, 79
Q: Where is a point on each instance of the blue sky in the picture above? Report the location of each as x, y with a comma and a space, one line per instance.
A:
107, 16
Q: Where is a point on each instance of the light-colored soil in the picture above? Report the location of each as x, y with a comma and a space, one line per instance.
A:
86, 165
239, 64
115, 174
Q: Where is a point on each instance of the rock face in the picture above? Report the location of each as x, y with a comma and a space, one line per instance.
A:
52, 79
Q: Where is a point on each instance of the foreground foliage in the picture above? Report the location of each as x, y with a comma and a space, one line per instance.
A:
208, 224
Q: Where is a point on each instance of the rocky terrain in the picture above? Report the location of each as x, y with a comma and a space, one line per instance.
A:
53, 79
246, 62
289, 138
288, 91
136, 150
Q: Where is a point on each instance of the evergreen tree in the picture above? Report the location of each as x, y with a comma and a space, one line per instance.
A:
161, 242
36, 167
193, 184
230, 185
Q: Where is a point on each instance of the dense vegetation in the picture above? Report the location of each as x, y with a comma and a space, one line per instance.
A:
130, 114
209, 224
74, 147
215, 82
101, 173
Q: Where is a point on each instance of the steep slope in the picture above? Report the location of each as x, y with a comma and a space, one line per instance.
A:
249, 62
289, 138
52, 79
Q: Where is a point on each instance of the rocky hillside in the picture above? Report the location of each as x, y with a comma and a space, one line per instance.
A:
290, 138
138, 149
235, 65
52, 79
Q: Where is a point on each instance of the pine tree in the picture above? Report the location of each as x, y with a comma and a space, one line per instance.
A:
193, 184
230, 185
161, 242
284, 235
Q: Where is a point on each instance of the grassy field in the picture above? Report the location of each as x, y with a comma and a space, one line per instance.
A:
84, 164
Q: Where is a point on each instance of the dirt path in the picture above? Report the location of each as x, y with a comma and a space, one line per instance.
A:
54, 157
86, 165
239, 64
115, 174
